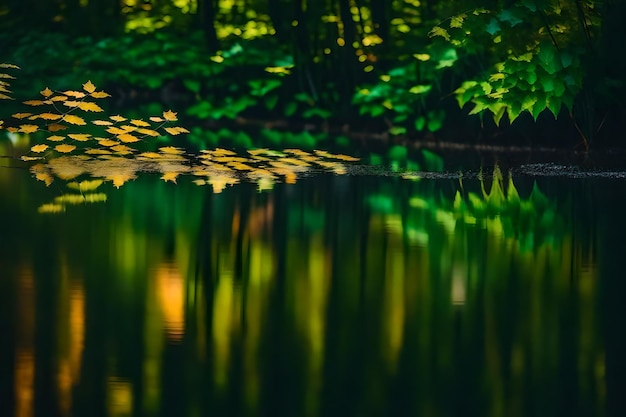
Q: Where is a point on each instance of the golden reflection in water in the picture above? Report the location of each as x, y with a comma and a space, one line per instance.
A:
171, 295
226, 318
119, 397
24, 354
71, 340
395, 275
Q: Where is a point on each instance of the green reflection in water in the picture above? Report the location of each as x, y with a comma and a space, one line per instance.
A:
452, 298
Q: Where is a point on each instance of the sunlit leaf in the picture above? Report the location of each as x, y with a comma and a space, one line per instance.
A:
128, 128
11, 66
128, 138
50, 116
108, 142
157, 119
102, 123
28, 128
55, 138
140, 123
75, 94
150, 155
116, 130
46, 92
176, 130
81, 137
122, 149
117, 118
89, 87
99, 94
39, 148
88, 106
72, 103
58, 98
75, 120
172, 150
439, 31
30, 158
148, 132
64, 148
34, 103
98, 152
170, 116
21, 115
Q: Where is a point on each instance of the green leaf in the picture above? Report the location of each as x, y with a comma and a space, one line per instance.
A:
547, 58
439, 31
554, 104
420, 89
290, 108
192, 85
548, 84
493, 27
420, 123
499, 109
397, 130
508, 15
397, 153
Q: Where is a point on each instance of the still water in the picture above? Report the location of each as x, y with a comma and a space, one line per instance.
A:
339, 295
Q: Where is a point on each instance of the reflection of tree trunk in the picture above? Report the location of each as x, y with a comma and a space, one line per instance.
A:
611, 250
278, 12
380, 18
207, 15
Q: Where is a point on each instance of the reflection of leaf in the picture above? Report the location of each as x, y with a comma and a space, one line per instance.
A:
170, 176
171, 150
51, 208
75, 120
108, 142
34, 103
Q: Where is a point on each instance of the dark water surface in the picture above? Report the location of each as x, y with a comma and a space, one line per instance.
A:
340, 295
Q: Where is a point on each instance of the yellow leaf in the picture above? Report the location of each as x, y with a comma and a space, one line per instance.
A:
55, 127
50, 116
64, 148
176, 130
108, 142
102, 123
34, 103
128, 138
117, 118
99, 94
12, 66
172, 150
169, 116
496, 77
81, 137
39, 148
128, 128
72, 103
148, 132
87, 106
46, 92
30, 158
151, 155
170, 176
122, 149
58, 98
5, 97
75, 120
157, 119
115, 130
21, 115
55, 138
97, 152
89, 87
28, 128
139, 123
75, 94
439, 31
51, 208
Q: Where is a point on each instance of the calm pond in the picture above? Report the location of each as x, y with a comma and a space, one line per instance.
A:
362, 294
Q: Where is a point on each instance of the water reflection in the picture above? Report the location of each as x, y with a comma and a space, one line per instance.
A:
333, 296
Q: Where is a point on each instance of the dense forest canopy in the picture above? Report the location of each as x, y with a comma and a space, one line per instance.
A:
405, 66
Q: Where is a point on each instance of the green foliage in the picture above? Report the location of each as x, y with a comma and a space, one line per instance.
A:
533, 56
